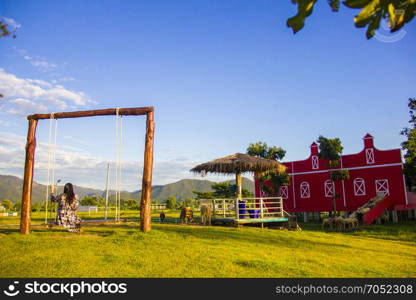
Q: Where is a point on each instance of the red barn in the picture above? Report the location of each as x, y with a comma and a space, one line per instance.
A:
371, 171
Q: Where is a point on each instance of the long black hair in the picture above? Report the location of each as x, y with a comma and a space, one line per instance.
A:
69, 192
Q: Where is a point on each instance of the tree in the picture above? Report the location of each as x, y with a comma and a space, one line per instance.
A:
17, 206
409, 146
261, 149
276, 180
7, 204
204, 195
222, 190
36, 207
131, 204
189, 202
89, 201
6, 31
228, 190
396, 12
331, 149
171, 202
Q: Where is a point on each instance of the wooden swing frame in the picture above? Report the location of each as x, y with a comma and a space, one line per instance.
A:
146, 199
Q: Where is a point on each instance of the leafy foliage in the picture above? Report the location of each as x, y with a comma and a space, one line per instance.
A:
331, 149
130, 204
270, 182
222, 190
275, 180
89, 201
261, 149
204, 195
171, 202
7, 204
6, 31
409, 146
37, 207
396, 12
340, 175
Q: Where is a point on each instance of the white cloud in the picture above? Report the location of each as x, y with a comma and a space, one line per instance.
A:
33, 96
77, 140
24, 106
43, 65
11, 22
39, 62
5, 123
39, 82
84, 169
67, 78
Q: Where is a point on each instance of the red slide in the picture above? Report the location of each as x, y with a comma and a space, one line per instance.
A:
376, 211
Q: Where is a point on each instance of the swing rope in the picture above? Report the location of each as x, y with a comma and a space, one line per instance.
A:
119, 139
53, 128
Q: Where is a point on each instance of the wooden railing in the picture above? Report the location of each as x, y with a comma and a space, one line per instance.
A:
253, 208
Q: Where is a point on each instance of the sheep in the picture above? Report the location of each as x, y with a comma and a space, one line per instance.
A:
385, 217
353, 215
187, 216
339, 224
206, 214
350, 223
329, 222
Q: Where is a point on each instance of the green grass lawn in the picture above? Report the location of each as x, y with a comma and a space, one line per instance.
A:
169, 250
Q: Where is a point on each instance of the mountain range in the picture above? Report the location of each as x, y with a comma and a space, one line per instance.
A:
11, 188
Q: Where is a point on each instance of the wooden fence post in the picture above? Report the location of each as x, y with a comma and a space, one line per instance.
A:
28, 178
145, 211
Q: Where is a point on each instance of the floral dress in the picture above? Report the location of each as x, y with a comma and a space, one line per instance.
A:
67, 213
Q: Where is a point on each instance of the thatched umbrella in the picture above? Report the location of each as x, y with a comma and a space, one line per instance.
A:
239, 163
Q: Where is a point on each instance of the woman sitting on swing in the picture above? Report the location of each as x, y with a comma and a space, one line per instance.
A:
67, 208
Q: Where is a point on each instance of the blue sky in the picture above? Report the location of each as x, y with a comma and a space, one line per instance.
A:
220, 74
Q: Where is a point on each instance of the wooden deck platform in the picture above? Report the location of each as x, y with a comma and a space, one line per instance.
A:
247, 221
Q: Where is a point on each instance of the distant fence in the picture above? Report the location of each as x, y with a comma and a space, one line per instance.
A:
8, 214
158, 206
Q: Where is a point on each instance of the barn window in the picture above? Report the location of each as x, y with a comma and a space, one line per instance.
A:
305, 191
284, 192
315, 162
359, 187
369, 155
328, 186
382, 186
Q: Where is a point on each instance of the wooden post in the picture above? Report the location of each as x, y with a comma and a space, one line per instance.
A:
223, 208
239, 193
282, 214
28, 178
239, 186
395, 217
237, 211
106, 191
261, 209
145, 212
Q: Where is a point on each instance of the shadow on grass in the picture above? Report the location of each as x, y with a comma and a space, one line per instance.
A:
244, 236
9, 230
404, 231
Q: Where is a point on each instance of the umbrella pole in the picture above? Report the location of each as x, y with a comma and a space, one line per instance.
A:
239, 186
238, 194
